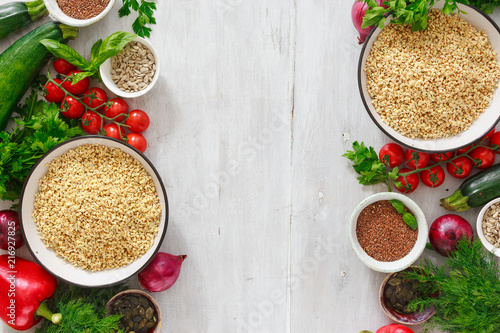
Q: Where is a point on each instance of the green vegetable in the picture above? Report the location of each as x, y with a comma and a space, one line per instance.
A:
100, 52
38, 129
21, 63
470, 291
17, 15
475, 190
407, 216
145, 11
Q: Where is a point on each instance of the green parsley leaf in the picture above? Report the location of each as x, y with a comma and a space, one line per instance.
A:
145, 15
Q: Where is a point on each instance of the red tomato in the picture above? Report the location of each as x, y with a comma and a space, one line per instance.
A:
394, 152
113, 131
118, 106
72, 108
488, 135
412, 180
98, 97
482, 157
79, 87
54, 93
137, 141
63, 67
411, 157
91, 122
394, 328
463, 150
459, 167
438, 157
495, 140
433, 177
138, 121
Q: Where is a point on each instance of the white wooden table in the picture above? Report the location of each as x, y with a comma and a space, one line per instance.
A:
256, 103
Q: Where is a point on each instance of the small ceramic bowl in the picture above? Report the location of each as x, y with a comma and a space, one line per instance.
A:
106, 76
155, 329
479, 227
56, 12
410, 258
405, 319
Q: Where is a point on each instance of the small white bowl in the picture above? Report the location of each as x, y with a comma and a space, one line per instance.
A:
106, 75
479, 227
56, 12
410, 258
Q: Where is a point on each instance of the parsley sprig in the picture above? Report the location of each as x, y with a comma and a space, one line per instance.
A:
145, 15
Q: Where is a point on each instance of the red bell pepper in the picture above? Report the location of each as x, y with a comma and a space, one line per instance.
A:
392, 328
24, 285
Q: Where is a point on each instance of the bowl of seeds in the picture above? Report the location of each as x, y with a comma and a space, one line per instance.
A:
134, 71
488, 226
79, 13
433, 90
140, 311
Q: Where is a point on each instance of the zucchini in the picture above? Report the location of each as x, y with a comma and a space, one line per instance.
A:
23, 60
17, 15
475, 190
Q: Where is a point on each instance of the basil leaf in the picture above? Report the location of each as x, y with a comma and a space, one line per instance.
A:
95, 49
410, 220
80, 76
65, 52
112, 45
398, 205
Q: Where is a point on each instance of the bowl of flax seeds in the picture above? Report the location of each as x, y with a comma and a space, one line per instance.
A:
79, 13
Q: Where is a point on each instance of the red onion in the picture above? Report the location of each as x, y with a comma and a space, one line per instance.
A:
446, 231
357, 14
161, 273
10, 233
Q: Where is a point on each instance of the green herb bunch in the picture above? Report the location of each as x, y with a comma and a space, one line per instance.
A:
469, 288
145, 11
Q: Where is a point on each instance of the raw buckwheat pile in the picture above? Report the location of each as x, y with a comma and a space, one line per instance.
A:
434, 83
97, 207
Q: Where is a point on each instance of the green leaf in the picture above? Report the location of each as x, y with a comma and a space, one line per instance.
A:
94, 53
112, 45
398, 205
80, 76
410, 220
65, 52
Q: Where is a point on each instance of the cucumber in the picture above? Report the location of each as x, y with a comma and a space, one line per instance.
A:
23, 60
17, 15
475, 190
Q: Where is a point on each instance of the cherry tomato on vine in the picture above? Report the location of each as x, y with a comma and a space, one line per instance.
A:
78, 88
72, 108
118, 106
99, 97
463, 150
433, 177
113, 131
137, 141
91, 122
459, 167
439, 157
395, 153
138, 121
495, 140
411, 157
63, 67
412, 180
488, 135
482, 157
53, 92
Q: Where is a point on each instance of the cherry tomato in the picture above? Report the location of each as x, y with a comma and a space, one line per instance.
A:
433, 177
439, 157
54, 93
412, 180
113, 131
79, 87
495, 140
137, 141
411, 157
98, 97
488, 135
138, 121
72, 108
118, 106
394, 152
63, 67
459, 167
463, 150
91, 122
482, 157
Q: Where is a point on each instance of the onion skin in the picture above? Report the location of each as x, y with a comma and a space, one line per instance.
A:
357, 14
161, 273
10, 233
446, 231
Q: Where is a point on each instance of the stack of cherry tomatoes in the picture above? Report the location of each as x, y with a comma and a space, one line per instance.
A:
98, 114
459, 164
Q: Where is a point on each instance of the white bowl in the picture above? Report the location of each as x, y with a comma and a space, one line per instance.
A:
105, 71
480, 127
479, 227
58, 14
410, 258
47, 257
